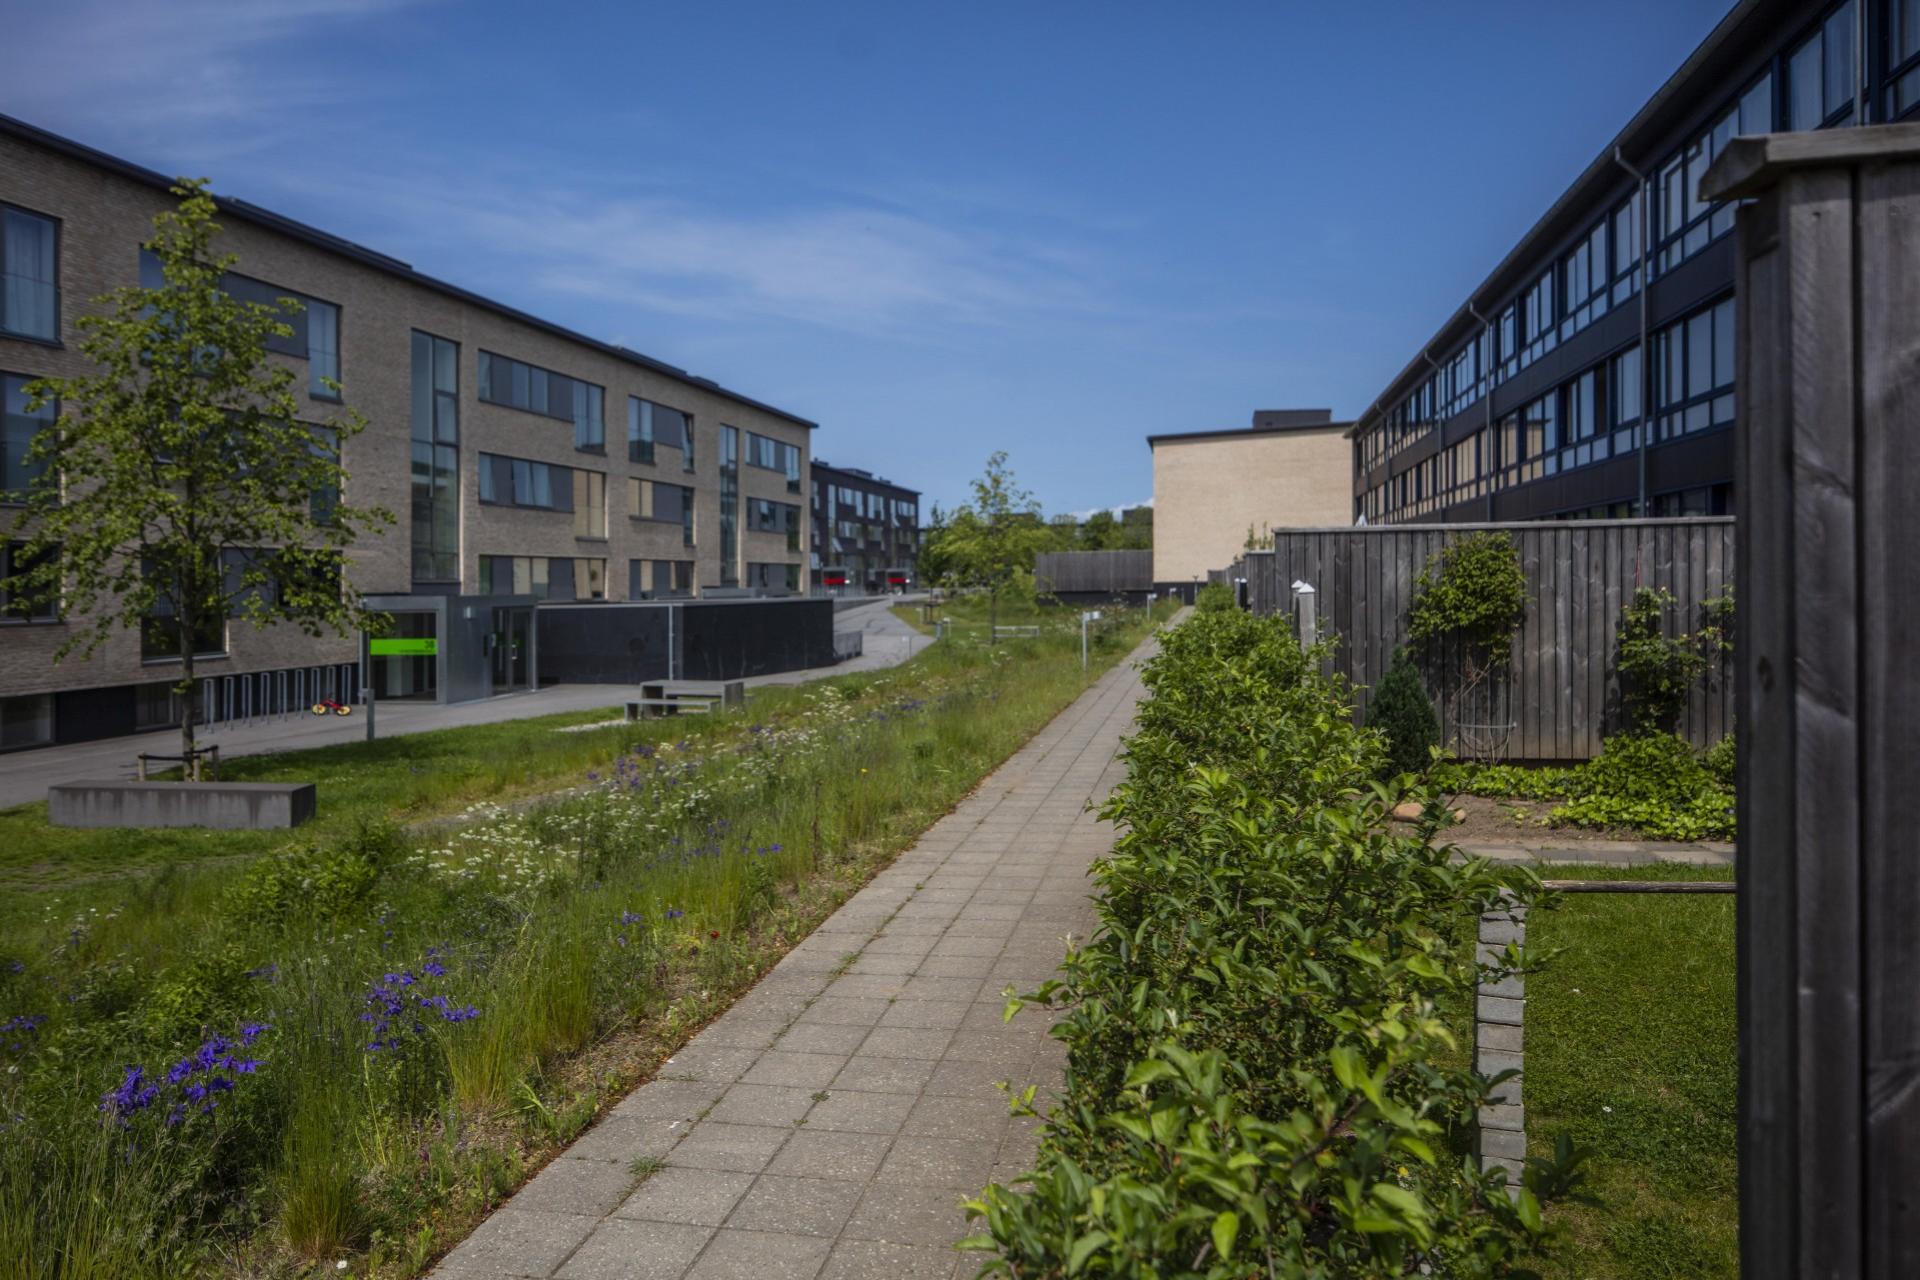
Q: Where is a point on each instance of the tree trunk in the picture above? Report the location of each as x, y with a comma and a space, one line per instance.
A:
190, 763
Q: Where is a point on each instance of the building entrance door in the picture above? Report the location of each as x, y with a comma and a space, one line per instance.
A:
511, 628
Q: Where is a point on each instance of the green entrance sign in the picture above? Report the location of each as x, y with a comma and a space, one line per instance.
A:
403, 648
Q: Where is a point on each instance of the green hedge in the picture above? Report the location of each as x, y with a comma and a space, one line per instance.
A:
1260, 1080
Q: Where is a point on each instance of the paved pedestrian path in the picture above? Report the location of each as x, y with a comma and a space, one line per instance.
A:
831, 1122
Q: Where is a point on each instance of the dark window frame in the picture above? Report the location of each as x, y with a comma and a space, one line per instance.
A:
59, 294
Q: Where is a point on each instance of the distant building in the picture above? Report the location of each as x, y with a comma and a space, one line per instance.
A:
1561, 388
866, 530
1210, 488
526, 463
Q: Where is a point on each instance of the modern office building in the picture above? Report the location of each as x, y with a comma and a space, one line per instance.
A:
866, 530
1211, 489
524, 462
1592, 373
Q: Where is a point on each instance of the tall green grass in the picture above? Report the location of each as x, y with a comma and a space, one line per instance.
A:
635, 902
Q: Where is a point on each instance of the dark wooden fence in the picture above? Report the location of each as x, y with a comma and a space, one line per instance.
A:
1560, 695
1094, 573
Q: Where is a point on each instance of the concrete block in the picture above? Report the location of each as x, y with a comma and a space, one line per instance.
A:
1511, 987
224, 806
1492, 1008
1500, 931
1504, 1115
1494, 1061
1508, 1145
1499, 1035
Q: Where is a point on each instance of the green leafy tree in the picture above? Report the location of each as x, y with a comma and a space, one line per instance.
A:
989, 543
180, 487
1401, 710
1658, 671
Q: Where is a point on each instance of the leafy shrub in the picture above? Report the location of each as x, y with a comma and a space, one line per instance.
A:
1720, 761
1401, 711
1653, 782
1474, 591
316, 883
1215, 597
1257, 1079
1657, 671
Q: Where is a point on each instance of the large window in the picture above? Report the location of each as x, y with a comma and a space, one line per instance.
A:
18, 427
1626, 238
774, 577
1693, 372
650, 423
775, 455
1820, 75
1587, 277
519, 385
436, 459
30, 603
1687, 223
518, 482
665, 503
729, 506
26, 721
313, 328
1540, 315
1623, 399
764, 516
1903, 57
544, 577
29, 275
659, 579
589, 504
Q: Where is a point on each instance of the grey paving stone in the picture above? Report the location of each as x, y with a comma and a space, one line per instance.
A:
625, 1138
821, 1037
961, 1164
829, 1153
761, 1255
1499, 1035
932, 987
1504, 1144
591, 1187
745, 1033
795, 1070
908, 1215
521, 1242
765, 1104
981, 1119
941, 1014
1496, 1009
959, 1078
958, 966
735, 1148
714, 1063
846, 1111
625, 1249
845, 1011
876, 1260
670, 1099
797, 1206
1003, 1045
906, 1042
702, 1197
885, 1075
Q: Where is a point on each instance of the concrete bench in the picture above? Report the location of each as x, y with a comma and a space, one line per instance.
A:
728, 693
227, 806
651, 708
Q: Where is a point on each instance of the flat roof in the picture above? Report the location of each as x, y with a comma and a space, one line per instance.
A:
1239, 433
860, 476
283, 225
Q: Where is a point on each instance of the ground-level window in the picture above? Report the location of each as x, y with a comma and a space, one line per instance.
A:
774, 577
26, 721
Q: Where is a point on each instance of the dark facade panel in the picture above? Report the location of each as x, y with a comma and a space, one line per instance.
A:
626, 643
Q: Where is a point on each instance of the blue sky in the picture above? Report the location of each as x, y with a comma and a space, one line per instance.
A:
1051, 228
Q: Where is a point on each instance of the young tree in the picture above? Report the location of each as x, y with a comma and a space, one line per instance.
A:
990, 542
178, 487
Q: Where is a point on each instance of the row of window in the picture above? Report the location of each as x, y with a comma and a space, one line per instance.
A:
1812, 86
519, 385
1593, 416
775, 455
313, 326
650, 424
841, 501
585, 578
765, 516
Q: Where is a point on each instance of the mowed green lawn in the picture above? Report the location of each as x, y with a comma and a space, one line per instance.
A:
1631, 1052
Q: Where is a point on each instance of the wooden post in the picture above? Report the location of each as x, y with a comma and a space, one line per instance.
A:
1828, 485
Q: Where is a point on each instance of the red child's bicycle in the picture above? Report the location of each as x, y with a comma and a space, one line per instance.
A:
326, 705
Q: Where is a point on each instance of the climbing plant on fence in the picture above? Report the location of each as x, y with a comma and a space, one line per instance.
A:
1658, 670
1259, 1078
1468, 601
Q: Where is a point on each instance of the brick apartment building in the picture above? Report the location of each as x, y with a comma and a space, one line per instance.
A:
866, 530
523, 462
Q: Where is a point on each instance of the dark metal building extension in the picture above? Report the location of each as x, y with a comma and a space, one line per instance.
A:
1592, 373
866, 530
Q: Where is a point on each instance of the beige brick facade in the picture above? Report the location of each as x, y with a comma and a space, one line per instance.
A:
105, 213
1210, 489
